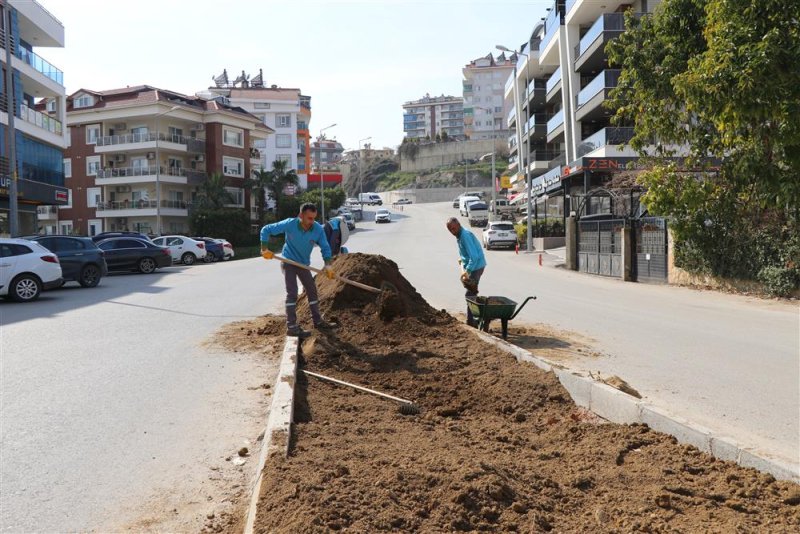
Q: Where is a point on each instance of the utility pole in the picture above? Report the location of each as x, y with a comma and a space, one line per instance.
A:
321, 172
11, 108
361, 175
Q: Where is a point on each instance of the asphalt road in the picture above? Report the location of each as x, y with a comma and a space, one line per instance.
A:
111, 405
728, 362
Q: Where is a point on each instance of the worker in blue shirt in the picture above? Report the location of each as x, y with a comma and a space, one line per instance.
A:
471, 259
301, 234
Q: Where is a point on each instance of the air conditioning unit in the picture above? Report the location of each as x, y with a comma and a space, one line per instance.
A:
123, 189
151, 155
120, 126
122, 220
200, 127
119, 158
200, 157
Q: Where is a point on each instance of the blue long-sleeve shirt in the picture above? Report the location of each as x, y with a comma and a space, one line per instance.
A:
470, 251
299, 242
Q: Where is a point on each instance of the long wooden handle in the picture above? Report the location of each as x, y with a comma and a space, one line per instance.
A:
315, 270
354, 386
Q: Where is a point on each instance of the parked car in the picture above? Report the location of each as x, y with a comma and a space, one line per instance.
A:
457, 201
499, 234
228, 248
403, 201
215, 251
108, 235
352, 201
183, 249
81, 260
27, 269
350, 220
132, 254
383, 215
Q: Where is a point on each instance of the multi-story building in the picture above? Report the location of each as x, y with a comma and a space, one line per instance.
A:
326, 153
485, 108
429, 116
138, 158
39, 137
285, 110
563, 77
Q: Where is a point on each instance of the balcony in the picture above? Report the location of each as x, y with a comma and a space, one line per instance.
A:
583, 12
147, 140
142, 208
47, 213
590, 51
142, 175
548, 47
610, 136
511, 117
555, 126
41, 120
40, 65
589, 101
536, 125
553, 85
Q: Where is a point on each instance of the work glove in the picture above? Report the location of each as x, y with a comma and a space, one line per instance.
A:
329, 272
267, 254
468, 283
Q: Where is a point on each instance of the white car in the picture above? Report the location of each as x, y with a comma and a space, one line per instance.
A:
403, 201
27, 269
227, 249
182, 249
383, 215
499, 234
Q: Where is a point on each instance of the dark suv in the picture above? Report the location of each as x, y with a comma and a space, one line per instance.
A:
108, 235
80, 258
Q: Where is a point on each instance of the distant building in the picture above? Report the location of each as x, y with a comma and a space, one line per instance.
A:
328, 152
485, 108
428, 116
369, 153
285, 110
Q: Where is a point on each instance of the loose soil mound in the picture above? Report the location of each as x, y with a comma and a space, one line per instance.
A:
499, 446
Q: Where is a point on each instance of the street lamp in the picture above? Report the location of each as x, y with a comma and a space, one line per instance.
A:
494, 149
518, 104
158, 171
321, 172
361, 175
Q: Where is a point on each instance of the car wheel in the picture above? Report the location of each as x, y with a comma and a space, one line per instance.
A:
90, 276
188, 258
208, 258
25, 288
147, 265
227, 257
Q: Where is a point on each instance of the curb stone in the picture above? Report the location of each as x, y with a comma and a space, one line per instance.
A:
279, 423
618, 407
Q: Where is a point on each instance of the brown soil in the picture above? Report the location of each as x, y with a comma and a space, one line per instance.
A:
498, 446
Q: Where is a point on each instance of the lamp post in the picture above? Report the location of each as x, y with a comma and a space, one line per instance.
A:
321, 172
158, 171
361, 175
518, 103
494, 149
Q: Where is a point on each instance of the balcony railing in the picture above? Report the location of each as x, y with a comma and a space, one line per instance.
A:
40, 119
607, 79
537, 85
142, 205
605, 137
613, 23
551, 25
47, 210
509, 81
555, 121
569, 5
41, 65
545, 155
553, 80
511, 115
109, 140
152, 170
537, 119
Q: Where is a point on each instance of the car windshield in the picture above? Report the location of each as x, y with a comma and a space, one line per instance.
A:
503, 227
383, 212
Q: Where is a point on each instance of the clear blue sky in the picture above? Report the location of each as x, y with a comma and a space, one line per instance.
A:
358, 60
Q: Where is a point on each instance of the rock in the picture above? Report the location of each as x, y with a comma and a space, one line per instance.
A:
793, 499
243, 451
663, 501
210, 515
601, 516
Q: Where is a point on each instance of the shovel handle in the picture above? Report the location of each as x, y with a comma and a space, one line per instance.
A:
318, 271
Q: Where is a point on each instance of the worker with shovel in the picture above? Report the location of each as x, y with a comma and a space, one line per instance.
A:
471, 259
301, 234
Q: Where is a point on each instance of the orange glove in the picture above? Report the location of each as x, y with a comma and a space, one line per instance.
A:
267, 254
329, 272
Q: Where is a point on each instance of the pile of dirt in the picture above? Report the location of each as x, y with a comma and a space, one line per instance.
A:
499, 446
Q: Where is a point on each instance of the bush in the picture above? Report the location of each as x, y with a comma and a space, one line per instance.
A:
778, 281
231, 223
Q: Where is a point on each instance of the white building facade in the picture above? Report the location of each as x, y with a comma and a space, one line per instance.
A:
485, 108
429, 116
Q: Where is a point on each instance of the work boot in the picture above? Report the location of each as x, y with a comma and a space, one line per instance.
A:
297, 332
324, 325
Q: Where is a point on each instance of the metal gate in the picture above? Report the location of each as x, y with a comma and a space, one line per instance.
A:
600, 247
650, 236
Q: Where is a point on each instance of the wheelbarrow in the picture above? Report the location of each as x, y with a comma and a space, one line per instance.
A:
485, 309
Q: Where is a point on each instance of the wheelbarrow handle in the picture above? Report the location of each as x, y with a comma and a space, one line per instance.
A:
521, 306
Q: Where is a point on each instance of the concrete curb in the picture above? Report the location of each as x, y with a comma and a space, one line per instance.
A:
279, 424
618, 407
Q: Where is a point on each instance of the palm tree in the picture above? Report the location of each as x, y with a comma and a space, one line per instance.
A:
213, 194
260, 183
278, 178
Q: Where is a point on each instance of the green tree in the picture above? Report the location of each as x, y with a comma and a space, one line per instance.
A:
259, 183
213, 194
276, 180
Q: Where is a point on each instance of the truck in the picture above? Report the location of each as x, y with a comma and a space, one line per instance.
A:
478, 214
502, 209
371, 199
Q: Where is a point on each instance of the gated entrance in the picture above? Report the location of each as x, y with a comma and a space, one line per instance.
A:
650, 236
600, 247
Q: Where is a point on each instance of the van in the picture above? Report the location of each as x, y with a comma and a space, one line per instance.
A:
478, 214
370, 199
463, 202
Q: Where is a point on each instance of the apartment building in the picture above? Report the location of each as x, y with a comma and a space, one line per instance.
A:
326, 153
429, 116
138, 157
369, 153
562, 134
39, 137
485, 107
285, 110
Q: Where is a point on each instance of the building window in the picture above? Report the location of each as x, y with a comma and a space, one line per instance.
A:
237, 196
261, 105
284, 157
65, 226
92, 133
67, 168
233, 166
69, 137
283, 141
83, 101
92, 196
69, 201
92, 165
283, 121
233, 137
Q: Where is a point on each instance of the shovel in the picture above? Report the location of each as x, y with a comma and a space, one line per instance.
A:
319, 271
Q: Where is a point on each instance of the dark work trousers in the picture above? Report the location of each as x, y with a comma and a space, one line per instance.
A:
476, 277
291, 274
